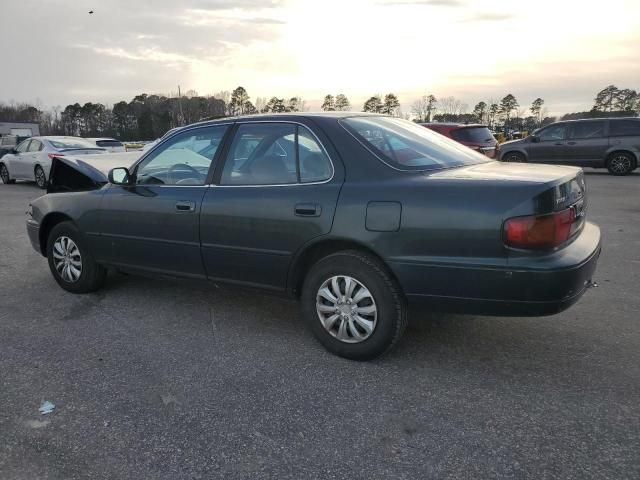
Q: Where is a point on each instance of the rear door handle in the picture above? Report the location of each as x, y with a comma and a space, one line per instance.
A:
559, 143
186, 206
571, 143
308, 210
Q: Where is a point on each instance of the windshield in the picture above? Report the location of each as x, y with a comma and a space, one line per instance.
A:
70, 142
473, 135
408, 146
108, 143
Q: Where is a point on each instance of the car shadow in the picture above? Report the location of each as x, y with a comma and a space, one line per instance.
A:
460, 344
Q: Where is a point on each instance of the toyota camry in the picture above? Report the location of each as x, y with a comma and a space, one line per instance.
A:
358, 216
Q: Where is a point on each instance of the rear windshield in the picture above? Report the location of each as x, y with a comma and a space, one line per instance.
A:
473, 134
70, 143
108, 143
408, 146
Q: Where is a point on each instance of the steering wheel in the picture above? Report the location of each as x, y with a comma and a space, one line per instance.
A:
182, 166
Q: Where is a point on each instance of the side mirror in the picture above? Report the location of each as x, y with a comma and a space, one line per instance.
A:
119, 176
535, 139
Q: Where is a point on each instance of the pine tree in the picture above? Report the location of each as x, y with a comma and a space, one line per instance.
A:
391, 104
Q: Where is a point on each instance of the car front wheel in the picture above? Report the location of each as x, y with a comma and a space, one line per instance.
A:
514, 157
70, 262
353, 305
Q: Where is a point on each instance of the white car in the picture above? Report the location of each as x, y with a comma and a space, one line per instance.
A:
110, 144
31, 159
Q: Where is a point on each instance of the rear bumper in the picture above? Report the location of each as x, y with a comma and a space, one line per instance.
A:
528, 286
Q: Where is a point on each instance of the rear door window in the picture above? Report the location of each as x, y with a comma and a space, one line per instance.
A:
266, 154
586, 130
624, 128
35, 146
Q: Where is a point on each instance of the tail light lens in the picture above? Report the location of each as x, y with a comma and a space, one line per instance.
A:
539, 232
53, 155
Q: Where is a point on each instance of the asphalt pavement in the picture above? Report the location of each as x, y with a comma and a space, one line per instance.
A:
172, 379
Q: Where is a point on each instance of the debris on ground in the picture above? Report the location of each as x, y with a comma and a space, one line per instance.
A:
46, 407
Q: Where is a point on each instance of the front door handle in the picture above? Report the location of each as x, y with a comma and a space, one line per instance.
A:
559, 143
186, 206
571, 143
308, 210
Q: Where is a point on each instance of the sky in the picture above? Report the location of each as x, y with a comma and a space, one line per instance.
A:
54, 52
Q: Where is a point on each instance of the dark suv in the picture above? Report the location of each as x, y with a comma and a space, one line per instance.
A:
612, 143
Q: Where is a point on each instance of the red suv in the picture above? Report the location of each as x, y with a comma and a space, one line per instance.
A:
474, 136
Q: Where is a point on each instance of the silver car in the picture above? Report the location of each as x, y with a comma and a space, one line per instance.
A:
31, 158
612, 143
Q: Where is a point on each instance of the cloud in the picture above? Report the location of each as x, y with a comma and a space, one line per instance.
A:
431, 3
490, 17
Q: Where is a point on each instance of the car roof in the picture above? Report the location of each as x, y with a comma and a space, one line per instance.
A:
101, 138
596, 119
451, 124
58, 137
290, 116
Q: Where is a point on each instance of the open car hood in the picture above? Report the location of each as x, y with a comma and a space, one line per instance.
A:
86, 172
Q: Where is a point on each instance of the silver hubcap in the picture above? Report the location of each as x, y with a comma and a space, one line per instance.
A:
346, 309
620, 164
515, 158
4, 173
67, 259
40, 177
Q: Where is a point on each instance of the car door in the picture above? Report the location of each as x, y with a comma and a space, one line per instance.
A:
276, 191
18, 162
587, 143
153, 223
33, 158
551, 145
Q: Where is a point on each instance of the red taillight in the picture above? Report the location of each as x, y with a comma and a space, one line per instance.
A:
52, 155
539, 232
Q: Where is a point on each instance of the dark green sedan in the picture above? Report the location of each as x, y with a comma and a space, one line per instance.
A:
359, 216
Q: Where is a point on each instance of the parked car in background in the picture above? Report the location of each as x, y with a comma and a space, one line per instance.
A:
31, 158
475, 136
8, 144
612, 143
359, 216
109, 144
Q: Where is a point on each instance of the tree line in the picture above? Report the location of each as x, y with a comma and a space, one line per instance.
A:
150, 116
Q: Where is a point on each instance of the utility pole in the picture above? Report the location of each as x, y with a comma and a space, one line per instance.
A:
180, 103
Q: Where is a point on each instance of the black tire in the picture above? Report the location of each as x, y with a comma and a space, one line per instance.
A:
41, 178
92, 275
621, 163
370, 273
4, 174
514, 157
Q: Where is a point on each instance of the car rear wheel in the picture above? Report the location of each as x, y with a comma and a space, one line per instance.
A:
41, 178
514, 157
621, 164
70, 262
4, 174
353, 306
